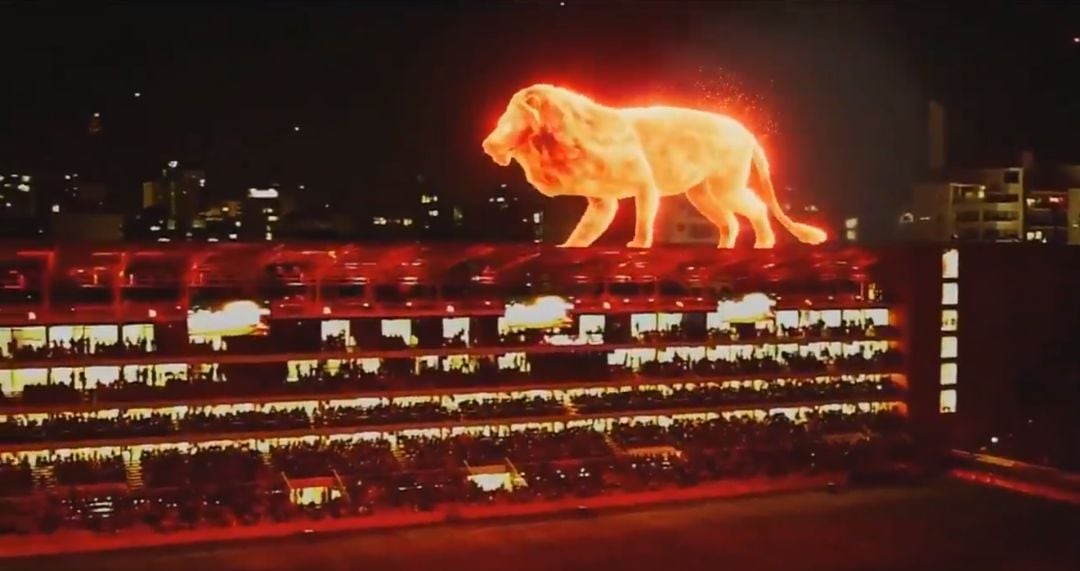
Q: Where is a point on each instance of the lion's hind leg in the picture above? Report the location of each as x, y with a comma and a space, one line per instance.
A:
713, 211
750, 205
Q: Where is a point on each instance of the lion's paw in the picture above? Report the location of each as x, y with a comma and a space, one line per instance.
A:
638, 244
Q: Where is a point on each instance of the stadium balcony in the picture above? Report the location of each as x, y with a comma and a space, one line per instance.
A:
205, 385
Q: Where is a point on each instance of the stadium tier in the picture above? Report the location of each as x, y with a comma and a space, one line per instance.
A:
357, 376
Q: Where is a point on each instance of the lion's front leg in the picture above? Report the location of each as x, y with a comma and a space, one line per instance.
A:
647, 202
597, 218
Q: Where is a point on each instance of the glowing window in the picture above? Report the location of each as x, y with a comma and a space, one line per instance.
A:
950, 293
787, 318
63, 376
513, 361
631, 358
335, 328
92, 334
158, 375
950, 264
715, 322
949, 319
948, 347
690, 354
591, 328
948, 374
296, 368
809, 317
878, 316
101, 376
947, 403
669, 321
28, 336
855, 315
456, 327
138, 333
642, 323
461, 363
22, 377
12, 382
369, 365
832, 317
425, 363
397, 328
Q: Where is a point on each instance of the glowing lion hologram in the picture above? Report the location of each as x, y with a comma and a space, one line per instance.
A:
567, 144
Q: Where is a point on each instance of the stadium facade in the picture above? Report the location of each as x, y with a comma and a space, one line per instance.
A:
147, 352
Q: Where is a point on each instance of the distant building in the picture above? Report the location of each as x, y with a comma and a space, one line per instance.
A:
317, 224
87, 227
177, 191
20, 205
220, 222
504, 216
1021, 202
261, 214
148, 225
80, 196
18, 196
437, 219
390, 225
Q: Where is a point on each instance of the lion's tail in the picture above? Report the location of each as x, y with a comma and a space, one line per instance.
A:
803, 232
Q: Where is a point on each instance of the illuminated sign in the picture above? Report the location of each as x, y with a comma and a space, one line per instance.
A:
753, 307
547, 312
232, 319
567, 144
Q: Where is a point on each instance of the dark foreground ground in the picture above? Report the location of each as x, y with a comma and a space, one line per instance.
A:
947, 526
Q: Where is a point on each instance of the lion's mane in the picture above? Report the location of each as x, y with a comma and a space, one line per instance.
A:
571, 136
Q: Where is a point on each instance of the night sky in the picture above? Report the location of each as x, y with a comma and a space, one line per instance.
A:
382, 92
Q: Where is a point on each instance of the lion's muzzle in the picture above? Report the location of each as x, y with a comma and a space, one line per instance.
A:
498, 151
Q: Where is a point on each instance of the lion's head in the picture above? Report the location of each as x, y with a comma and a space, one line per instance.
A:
548, 130
531, 111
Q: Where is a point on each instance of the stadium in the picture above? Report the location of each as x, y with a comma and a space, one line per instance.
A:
181, 387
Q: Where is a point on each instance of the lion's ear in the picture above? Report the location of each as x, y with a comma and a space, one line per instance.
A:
534, 104
544, 111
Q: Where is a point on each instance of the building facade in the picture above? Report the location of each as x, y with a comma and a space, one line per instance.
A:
1022, 203
176, 193
326, 369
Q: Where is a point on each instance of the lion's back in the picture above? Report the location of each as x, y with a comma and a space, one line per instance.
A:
685, 146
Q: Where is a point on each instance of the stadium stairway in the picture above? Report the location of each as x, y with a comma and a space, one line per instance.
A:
399, 455
133, 470
267, 459
44, 476
616, 448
